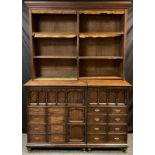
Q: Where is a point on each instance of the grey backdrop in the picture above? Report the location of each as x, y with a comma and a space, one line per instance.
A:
26, 64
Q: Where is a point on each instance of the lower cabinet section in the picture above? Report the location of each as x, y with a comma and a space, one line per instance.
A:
77, 117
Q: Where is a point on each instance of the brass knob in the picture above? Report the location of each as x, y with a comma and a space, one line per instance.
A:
117, 129
117, 119
96, 110
117, 110
96, 138
96, 129
97, 119
116, 138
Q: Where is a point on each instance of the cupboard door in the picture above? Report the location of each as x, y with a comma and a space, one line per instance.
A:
76, 114
76, 133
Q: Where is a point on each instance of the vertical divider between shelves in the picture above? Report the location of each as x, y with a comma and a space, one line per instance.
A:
78, 23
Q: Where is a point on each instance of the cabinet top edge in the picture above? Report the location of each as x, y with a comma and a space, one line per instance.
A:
79, 4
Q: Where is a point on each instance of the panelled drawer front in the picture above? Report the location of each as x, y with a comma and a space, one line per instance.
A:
37, 128
117, 110
56, 129
36, 138
36, 119
56, 138
56, 110
97, 118
117, 119
96, 128
117, 128
35, 110
97, 138
117, 138
97, 110
55, 119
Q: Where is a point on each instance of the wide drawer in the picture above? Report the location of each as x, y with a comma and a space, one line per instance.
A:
96, 110
36, 138
97, 118
117, 119
36, 110
56, 129
36, 128
96, 128
56, 110
56, 138
117, 110
97, 138
117, 128
56, 119
117, 138
36, 119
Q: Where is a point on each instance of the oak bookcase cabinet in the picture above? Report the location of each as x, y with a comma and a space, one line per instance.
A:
78, 96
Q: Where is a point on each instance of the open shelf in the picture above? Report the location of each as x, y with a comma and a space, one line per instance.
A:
56, 69
100, 78
101, 57
55, 57
53, 78
54, 23
55, 47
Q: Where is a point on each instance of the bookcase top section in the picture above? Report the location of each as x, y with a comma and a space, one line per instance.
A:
79, 4
115, 83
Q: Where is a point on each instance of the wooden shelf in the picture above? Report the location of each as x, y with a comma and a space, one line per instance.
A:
54, 57
101, 57
42, 11
100, 77
53, 35
53, 78
101, 35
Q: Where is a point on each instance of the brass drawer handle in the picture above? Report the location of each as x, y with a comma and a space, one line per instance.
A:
97, 119
97, 110
117, 119
96, 138
36, 128
116, 138
37, 138
96, 129
117, 110
117, 129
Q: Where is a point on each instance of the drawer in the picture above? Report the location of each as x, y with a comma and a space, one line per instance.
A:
56, 129
97, 110
55, 119
56, 110
36, 128
36, 119
117, 128
56, 138
117, 110
117, 119
36, 138
36, 110
97, 138
117, 138
96, 128
97, 118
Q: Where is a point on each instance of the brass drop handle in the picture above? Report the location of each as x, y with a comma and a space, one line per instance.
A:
36, 110
97, 119
36, 128
117, 119
37, 138
96, 138
96, 129
117, 129
117, 110
97, 110
116, 138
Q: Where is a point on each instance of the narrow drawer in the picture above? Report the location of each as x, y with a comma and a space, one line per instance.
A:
56, 110
117, 138
36, 138
56, 129
96, 128
55, 119
97, 110
36, 119
35, 110
117, 119
117, 110
36, 128
97, 138
97, 118
56, 138
117, 128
